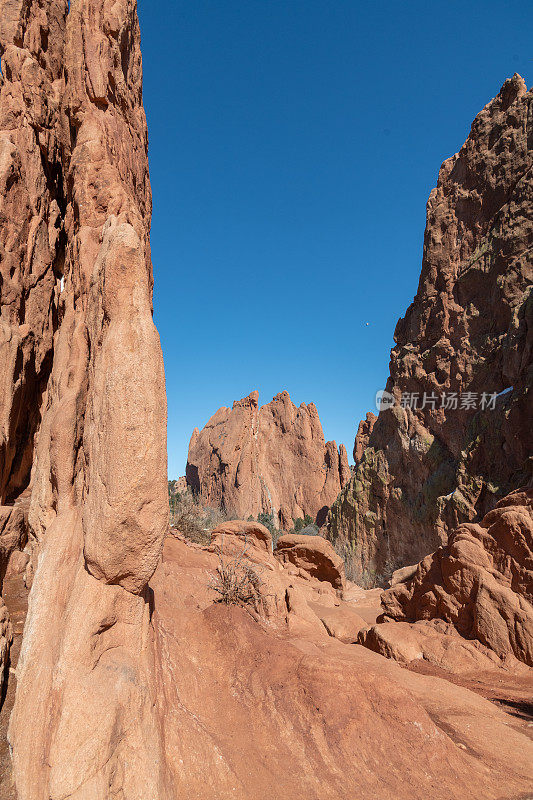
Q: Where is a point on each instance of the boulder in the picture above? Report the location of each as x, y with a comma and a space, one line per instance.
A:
436, 642
480, 584
252, 534
313, 555
403, 575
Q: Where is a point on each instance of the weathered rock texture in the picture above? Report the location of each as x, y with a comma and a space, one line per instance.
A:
6, 636
134, 690
315, 555
84, 397
481, 583
275, 701
366, 426
274, 459
469, 329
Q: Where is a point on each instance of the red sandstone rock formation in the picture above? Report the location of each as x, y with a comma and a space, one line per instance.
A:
137, 685
314, 555
480, 583
240, 688
32, 207
274, 459
84, 394
31, 251
366, 426
469, 329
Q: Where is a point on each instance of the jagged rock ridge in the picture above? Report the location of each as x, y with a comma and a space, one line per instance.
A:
469, 330
250, 460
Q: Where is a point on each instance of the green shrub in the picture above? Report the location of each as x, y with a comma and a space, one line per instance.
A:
299, 524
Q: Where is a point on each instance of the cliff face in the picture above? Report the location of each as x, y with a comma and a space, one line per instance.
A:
32, 247
83, 410
274, 459
469, 330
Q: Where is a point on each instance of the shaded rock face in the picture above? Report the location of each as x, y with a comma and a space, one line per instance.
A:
274, 459
6, 636
470, 329
32, 244
83, 413
481, 583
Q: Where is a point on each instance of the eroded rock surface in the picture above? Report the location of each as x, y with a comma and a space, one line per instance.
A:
84, 408
313, 554
138, 685
6, 636
250, 460
366, 426
480, 584
241, 687
468, 330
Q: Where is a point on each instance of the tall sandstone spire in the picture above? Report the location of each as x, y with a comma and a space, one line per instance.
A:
83, 413
468, 330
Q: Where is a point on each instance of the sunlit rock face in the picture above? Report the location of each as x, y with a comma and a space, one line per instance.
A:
479, 585
467, 336
273, 459
132, 682
83, 409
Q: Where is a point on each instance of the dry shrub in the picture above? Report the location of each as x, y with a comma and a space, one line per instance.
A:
236, 582
193, 520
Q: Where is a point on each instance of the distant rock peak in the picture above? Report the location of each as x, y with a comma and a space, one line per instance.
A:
273, 460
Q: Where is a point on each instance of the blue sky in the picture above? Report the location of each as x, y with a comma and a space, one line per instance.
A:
293, 145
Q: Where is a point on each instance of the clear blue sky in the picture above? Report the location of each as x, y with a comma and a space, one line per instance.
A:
293, 145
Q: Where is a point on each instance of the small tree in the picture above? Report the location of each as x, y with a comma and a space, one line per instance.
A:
270, 524
299, 524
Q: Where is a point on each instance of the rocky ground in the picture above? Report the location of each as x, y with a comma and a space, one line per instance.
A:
285, 702
275, 696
